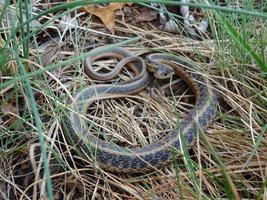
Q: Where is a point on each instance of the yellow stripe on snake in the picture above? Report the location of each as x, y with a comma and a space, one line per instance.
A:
131, 160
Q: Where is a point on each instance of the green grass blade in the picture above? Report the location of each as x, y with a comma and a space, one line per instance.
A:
229, 187
38, 123
81, 3
241, 41
75, 58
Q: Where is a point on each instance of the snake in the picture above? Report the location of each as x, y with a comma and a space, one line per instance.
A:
119, 159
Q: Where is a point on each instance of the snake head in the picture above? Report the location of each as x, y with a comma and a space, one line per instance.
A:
163, 71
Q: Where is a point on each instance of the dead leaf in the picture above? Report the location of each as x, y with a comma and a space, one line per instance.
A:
67, 23
50, 53
9, 110
146, 15
106, 13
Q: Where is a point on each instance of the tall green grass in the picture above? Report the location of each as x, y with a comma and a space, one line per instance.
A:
236, 25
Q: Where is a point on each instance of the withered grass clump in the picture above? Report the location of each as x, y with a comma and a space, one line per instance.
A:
227, 160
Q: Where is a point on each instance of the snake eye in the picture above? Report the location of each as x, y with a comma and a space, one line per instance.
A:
163, 71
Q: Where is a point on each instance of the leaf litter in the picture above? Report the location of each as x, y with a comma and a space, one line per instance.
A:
135, 120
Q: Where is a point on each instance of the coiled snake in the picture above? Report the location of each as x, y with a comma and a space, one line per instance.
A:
130, 160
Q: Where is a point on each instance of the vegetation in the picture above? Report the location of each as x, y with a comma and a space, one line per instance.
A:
41, 59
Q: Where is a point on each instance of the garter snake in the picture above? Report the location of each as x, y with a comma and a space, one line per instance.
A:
131, 160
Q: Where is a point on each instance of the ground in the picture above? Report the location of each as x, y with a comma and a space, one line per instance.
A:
42, 68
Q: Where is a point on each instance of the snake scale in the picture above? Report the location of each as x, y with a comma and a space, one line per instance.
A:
115, 158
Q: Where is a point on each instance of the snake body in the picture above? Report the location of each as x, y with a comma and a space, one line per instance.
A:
131, 160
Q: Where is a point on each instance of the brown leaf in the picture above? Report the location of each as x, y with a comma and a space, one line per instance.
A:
106, 13
9, 110
50, 53
146, 15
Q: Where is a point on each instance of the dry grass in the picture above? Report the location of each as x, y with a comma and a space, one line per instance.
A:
241, 116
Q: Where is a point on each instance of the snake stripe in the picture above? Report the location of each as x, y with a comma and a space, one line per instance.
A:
131, 160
